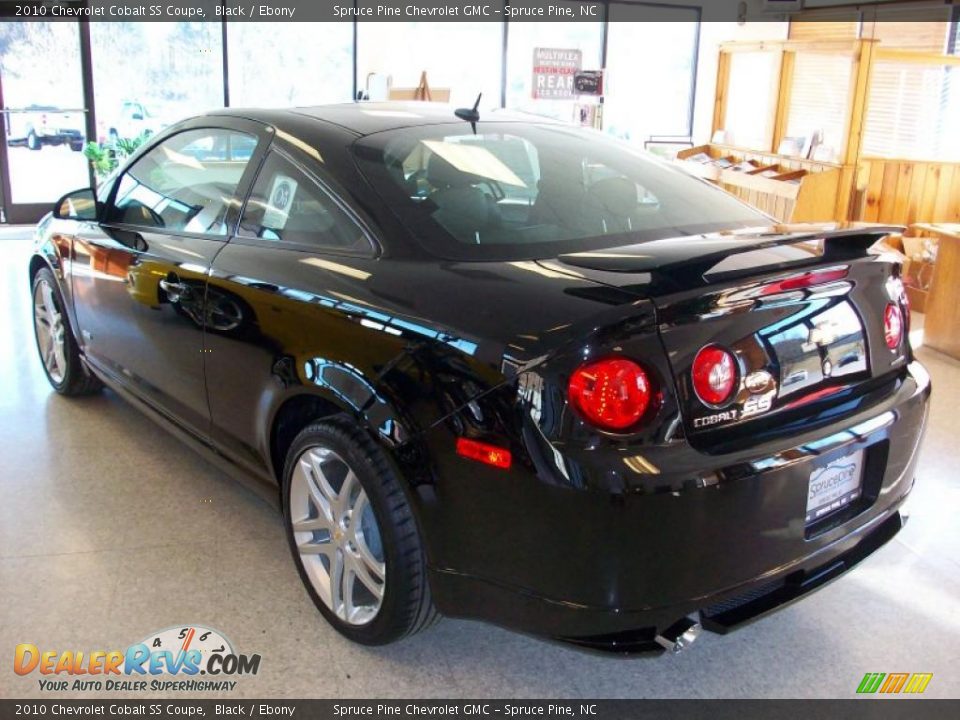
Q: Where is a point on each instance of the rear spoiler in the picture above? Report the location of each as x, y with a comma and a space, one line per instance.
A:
686, 261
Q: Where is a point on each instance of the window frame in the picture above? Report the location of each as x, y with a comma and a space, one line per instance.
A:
263, 134
242, 237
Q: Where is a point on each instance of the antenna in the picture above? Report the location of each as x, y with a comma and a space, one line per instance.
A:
471, 115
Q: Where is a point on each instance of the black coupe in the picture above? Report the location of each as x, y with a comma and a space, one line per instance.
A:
496, 367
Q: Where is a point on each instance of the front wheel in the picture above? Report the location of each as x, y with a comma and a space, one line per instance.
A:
33, 142
58, 348
353, 535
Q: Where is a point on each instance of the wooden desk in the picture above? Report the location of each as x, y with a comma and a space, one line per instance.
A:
941, 329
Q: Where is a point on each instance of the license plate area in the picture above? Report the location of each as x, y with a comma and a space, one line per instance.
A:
834, 485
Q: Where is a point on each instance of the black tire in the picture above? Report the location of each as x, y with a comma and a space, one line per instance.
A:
77, 379
407, 606
76, 146
33, 142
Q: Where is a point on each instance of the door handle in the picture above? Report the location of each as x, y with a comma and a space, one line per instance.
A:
173, 288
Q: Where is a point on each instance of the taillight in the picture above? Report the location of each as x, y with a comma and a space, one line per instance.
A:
613, 393
714, 375
893, 326
483, 452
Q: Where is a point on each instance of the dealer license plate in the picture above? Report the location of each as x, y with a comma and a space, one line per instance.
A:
834, 486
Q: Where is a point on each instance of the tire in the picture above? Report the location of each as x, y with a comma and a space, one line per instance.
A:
76, 146
113, 138
33, 142
58, 349
336, 448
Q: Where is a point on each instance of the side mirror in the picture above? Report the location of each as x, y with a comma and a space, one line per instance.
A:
77, 205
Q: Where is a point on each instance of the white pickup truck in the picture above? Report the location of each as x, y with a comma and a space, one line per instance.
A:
39, 125
132, 120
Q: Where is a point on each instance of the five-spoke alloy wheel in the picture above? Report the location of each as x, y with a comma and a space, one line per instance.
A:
353, 535
337, 535
56, 344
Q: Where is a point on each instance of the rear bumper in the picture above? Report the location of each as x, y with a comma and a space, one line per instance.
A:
611, 571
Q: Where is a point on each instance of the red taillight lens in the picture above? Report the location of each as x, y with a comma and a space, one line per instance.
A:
482, 452
612, 394
893, 326
714, 375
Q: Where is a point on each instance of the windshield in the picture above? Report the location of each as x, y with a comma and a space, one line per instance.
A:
523, 191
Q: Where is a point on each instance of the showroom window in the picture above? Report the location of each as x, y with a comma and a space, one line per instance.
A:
185, 184
178, 73
45, 118
647, 61
751, 94
914, 112
290, 64
286, 205
464, 58
819, 100
524, 39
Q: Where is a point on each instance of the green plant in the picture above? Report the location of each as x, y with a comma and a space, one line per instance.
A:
106, 158
103, 159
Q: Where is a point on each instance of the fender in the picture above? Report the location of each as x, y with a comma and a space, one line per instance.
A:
55, 250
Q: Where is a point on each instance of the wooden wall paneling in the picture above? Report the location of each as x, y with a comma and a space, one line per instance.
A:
944, 199
871, 207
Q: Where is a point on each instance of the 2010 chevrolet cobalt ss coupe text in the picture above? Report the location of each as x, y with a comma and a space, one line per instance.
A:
496, 367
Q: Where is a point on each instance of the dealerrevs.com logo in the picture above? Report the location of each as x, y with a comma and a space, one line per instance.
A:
189, 658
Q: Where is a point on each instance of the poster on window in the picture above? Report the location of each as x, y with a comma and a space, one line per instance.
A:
553, 71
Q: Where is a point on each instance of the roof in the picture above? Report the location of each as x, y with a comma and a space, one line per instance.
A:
365, 118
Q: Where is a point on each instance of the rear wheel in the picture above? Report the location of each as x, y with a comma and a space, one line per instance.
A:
58, 348
76, 146
33, 142
353, 535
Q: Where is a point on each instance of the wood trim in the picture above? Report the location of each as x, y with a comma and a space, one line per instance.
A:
828, 46
916, 57
720, 100
787, 63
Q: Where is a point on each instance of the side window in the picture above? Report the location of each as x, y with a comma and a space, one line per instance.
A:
186, 183
287, 205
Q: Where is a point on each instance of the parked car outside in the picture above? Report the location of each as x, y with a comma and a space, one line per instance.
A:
131, 120
39, 125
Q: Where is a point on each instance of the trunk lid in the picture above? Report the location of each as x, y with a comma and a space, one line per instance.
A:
801, 311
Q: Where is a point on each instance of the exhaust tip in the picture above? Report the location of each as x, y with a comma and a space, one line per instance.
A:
679, 636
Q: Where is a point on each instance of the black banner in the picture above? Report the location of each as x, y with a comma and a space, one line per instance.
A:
431, 10
868, 709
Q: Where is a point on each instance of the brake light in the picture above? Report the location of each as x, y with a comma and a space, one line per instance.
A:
613, 393
805, 280
893, 326
482, 452
714, 375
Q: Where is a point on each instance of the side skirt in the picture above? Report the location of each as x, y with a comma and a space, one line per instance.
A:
263, 487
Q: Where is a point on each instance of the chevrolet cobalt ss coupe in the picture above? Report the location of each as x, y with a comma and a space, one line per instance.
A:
497, 367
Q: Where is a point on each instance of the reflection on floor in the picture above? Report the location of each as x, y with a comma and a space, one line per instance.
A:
111, 529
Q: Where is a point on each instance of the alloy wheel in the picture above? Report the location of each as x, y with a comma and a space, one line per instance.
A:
337, 535
51, 331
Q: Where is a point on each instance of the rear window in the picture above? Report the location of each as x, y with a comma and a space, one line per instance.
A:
522, 191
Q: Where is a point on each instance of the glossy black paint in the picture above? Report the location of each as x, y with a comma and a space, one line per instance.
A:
596, 538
